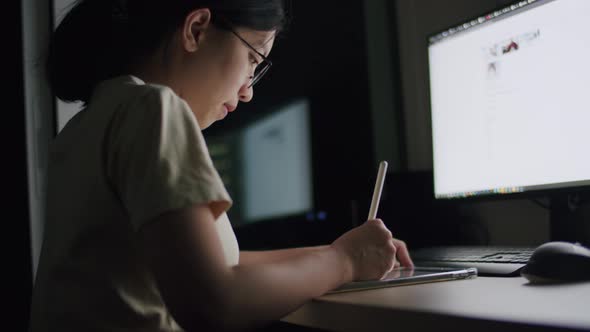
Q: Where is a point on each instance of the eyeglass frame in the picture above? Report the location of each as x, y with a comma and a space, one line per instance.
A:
265, 61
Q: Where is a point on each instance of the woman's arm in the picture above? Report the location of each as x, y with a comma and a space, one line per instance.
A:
201, 290
273, 256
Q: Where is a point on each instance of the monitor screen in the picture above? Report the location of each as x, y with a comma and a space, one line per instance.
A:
509, 100
266, 165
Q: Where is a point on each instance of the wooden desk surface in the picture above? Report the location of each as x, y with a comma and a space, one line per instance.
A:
479, 304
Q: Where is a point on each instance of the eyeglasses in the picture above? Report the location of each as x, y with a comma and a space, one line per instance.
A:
261, 68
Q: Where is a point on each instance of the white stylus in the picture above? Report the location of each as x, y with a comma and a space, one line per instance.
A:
378, 189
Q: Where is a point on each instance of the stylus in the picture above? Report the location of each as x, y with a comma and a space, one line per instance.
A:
378, 189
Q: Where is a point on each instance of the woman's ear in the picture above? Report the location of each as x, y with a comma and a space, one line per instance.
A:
195, 24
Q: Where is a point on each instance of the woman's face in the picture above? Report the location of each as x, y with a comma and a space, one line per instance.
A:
217, 75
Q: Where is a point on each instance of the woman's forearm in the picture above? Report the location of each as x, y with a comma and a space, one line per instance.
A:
269, 290
272, 256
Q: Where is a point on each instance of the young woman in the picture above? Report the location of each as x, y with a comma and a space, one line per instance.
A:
137, 238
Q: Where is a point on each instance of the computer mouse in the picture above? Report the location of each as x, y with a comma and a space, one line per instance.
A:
558, 261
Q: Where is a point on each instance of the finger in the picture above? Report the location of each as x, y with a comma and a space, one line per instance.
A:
376, 221
403, 254
386, 274
395, 263
381, 225
391, 264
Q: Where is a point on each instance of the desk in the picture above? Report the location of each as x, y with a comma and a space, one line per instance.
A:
479, 304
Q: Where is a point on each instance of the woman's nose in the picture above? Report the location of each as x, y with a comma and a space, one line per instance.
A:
246, 92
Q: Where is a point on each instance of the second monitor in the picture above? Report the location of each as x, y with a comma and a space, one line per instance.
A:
266, 165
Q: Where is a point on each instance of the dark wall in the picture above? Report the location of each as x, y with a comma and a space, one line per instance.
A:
322, 55
411, 212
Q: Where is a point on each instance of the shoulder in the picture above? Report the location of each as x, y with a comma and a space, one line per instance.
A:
149, 116
131, 90
131, 99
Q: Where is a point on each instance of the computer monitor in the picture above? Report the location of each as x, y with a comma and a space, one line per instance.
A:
509, 105
266, 165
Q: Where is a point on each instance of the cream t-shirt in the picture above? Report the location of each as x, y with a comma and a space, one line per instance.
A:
135, 152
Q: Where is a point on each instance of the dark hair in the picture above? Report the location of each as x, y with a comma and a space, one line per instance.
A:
99, 39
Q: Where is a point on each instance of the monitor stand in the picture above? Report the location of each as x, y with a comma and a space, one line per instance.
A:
570, 218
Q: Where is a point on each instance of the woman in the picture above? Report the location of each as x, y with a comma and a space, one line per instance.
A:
137, 238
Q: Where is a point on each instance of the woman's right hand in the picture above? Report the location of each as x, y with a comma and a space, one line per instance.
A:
369, 250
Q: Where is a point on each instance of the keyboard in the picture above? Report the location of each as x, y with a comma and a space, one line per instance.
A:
497, 261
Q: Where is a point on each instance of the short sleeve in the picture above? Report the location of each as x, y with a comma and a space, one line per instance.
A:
157, 159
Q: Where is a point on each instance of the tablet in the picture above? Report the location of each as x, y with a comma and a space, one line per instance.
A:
409, 276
